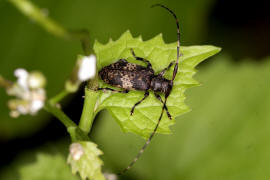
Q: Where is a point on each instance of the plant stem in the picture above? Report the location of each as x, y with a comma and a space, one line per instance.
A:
89, 111
37, 15
75, 132
5, 83
59, 97
59, 114
83, 36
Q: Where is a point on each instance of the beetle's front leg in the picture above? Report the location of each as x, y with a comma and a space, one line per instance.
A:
159, 98
165, 69
146, 94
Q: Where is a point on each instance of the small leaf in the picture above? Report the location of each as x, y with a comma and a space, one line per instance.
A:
145, 116
84, 159
47, 167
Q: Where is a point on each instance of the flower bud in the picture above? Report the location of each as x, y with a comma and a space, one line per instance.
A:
36, 80
76, 151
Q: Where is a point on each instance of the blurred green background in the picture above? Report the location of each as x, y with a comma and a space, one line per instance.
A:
226, 134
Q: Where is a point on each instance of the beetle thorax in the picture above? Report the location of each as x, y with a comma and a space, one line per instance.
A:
160, 84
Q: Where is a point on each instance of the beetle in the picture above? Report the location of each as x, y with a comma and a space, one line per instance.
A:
130, 76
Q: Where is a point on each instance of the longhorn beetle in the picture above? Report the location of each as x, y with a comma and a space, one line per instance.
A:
129, 76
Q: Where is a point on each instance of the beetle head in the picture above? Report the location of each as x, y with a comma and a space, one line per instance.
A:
160, 84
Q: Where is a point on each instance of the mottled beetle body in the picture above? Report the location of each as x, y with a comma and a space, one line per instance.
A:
127, 75
130, 76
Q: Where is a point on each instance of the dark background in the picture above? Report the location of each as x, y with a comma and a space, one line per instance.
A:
241, 28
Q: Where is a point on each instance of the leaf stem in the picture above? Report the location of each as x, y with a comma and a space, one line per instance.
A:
89, 110
51, 108
5, 83
57, 98
76, 133
84, 37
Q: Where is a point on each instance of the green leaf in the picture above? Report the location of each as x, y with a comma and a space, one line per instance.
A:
160, 55
84, 159
225, 137
47, 167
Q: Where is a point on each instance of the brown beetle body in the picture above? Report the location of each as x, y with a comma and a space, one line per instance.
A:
129, 76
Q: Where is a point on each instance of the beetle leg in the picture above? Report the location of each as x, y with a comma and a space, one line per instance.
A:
159, 98
113, 90
149, 65
165, 69
146, 94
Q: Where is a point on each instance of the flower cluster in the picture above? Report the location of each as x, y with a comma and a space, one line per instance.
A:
29, 92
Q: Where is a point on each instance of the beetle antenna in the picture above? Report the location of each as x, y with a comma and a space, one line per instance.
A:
166, 96
178, 38
147, 142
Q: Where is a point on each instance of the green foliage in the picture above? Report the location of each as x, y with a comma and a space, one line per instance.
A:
25, 44
226, 136
89, 164
160, 55
36, 14
47, 167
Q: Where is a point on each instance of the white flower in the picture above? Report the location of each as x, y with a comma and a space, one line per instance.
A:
37, 101
36, 80
84, 70
29, 93
76, 151
87, 69
22, 76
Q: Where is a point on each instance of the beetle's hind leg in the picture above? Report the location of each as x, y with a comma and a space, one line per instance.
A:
113, 90
146, 94
149, 65
159, 98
